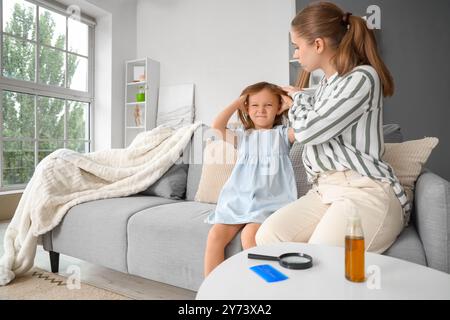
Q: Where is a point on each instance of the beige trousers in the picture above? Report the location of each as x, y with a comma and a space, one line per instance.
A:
320, 216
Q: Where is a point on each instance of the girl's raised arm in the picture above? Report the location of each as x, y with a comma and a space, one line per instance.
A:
221, 121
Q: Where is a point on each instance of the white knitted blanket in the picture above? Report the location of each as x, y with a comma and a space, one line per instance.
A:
66, 178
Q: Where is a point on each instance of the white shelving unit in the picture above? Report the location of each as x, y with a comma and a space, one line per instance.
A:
141, 75
294, 66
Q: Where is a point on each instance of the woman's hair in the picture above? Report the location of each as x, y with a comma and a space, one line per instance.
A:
255, 88
354, 42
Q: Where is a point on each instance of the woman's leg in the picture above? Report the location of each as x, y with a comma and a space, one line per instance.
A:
375, 202
218, 237
248, 235
294, 222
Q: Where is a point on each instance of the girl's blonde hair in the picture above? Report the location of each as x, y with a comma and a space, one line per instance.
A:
255, 88
354, 42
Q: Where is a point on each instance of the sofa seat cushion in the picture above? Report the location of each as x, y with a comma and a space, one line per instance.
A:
100, 225
408, 247
167, 243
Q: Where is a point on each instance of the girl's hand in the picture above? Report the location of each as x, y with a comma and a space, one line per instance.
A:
286, 104
241, 103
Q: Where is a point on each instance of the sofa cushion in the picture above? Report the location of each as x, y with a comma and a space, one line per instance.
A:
407, 160
408, 247
100, 225
301, 179
218, 163
195, 160
172, 185
167, 243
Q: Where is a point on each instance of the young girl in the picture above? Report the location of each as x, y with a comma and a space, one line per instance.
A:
262, 180
340, 126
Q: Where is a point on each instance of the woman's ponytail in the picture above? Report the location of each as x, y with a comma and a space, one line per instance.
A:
359, 46
354, 42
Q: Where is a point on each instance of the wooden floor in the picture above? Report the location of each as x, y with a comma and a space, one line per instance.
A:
128, 285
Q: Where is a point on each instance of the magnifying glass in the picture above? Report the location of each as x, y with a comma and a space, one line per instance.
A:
288, 260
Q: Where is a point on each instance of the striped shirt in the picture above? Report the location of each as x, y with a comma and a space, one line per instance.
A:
340, 126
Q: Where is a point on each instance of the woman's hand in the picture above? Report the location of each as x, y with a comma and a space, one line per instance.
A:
286, 103
290, 90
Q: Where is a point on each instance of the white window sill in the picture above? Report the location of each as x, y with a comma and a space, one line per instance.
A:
5, 192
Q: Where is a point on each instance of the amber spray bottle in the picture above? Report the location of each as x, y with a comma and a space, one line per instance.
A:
354, 249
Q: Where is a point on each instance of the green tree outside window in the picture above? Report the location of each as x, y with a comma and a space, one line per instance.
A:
18, 109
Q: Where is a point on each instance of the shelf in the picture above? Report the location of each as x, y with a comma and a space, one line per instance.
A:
141, 77
138, 61
136, 83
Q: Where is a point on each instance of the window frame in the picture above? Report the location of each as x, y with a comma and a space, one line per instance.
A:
37, 89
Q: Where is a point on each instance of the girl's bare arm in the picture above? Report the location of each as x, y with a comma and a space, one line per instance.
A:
221, 120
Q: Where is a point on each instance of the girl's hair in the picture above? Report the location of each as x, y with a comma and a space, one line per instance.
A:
354, 42
255, 88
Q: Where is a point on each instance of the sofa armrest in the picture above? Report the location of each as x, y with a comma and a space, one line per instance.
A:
47, 241
432, 211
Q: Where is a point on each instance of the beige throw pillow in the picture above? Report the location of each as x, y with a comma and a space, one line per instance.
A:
407, 160
219, 158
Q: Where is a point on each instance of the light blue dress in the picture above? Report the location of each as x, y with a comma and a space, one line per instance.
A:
262, 180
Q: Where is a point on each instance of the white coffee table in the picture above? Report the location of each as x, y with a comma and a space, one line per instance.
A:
398, 279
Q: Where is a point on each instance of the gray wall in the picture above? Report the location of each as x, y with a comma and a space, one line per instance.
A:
414, 41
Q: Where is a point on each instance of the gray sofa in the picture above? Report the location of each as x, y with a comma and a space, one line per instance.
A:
164, 239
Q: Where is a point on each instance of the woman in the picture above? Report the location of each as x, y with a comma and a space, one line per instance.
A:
340, 126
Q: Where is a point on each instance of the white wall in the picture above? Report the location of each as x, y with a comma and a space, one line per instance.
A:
115, 42
103, 108
220, 46
110, 69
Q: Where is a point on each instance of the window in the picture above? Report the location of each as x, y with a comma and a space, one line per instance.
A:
46, 85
